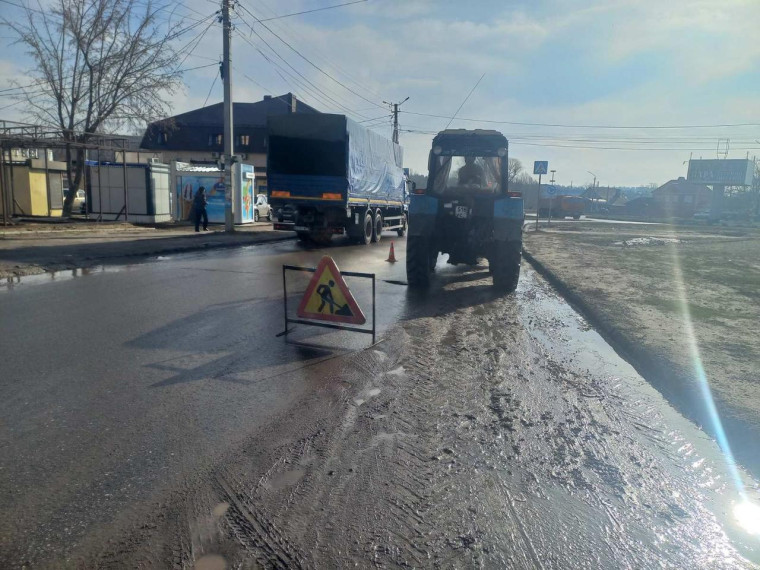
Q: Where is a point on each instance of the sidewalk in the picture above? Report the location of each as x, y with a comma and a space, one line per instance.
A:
28, 248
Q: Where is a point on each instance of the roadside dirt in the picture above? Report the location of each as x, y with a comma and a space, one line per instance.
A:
482, 431
676, 301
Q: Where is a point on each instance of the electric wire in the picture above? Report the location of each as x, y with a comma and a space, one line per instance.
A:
313, 52
211, 89
315, 94
331, 97
560, 125
313, 10
307, 60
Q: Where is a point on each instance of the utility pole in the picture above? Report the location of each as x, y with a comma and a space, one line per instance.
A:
551, 200
394, 109
229, 181
593, 187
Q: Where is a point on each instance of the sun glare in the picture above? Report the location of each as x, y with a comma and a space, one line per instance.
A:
748, 516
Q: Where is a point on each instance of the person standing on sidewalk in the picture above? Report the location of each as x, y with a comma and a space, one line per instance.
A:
199, 204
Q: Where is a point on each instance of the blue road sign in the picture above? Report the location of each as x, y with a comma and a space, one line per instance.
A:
551, 189
540, 167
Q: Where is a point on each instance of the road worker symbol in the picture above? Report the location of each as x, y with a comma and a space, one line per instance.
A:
328, 298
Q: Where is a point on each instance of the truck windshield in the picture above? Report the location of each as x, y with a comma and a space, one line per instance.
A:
476, 173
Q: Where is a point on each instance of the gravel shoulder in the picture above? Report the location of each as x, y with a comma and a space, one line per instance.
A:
677, 302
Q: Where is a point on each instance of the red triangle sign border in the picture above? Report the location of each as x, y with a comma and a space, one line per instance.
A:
357, 317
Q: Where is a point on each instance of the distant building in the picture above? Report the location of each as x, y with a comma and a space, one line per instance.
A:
197, 136
681, 198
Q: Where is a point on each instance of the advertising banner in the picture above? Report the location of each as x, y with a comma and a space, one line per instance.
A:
728, 172
245, 202
188, 185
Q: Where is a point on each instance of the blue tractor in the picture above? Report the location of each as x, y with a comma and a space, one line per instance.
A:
467, 210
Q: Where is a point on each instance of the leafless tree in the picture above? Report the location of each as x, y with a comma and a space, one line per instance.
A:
514, 168
99, 65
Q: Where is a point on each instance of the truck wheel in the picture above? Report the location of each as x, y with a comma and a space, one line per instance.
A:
404, 225
505, 266
577, 217
418, 262
369, 223
377, 231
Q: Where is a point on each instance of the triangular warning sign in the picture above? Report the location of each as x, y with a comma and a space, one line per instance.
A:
327, 297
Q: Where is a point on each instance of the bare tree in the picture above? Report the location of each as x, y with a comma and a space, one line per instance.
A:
514, 168
99, 65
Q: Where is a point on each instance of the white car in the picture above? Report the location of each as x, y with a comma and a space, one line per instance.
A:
262, 209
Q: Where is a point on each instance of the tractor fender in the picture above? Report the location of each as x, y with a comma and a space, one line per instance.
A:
423, 211
508, 217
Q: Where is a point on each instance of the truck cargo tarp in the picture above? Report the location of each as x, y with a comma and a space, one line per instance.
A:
327, 147
374, 164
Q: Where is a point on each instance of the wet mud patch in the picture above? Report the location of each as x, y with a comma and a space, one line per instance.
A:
487, 436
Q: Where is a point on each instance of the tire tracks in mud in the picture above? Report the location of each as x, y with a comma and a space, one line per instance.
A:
459, 441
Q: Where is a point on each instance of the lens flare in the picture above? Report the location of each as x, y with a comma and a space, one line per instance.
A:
701, 375
748, 516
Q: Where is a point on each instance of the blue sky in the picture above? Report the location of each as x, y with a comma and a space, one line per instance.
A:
575, 63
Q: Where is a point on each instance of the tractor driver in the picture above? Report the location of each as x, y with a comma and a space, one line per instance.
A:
470, 173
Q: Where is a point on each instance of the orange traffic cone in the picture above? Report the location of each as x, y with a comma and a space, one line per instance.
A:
392, 255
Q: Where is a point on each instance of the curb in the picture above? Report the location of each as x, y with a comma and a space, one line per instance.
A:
86, 261
678, 390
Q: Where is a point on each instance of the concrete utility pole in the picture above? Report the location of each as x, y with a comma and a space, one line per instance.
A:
229, 219
594, 187
551, 200
394, 108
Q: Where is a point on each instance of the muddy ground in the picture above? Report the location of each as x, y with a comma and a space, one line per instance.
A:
480, 431
650, 286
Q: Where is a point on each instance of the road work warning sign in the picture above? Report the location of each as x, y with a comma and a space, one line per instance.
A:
328, 298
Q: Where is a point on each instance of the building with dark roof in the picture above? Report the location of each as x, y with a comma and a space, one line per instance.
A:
681, 198
197, 136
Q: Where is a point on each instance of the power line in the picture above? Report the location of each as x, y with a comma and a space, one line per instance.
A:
316, 92
313, 52
628, 148
210, 90
559, 125
314, 10
376, 118
307, 60
465, 101
330, 98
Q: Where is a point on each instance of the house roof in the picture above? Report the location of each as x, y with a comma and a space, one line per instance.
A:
681, 186
193, 131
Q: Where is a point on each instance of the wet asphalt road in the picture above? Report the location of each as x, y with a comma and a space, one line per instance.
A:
150, 416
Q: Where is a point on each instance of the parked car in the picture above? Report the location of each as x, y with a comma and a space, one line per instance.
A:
79, 199
262, 209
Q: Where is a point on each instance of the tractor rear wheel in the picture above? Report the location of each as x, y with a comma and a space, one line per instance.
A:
505, 266
418, 266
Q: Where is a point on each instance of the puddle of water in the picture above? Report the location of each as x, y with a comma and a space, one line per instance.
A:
11, 283
582, 348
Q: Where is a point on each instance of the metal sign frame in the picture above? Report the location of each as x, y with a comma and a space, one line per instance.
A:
288, 320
